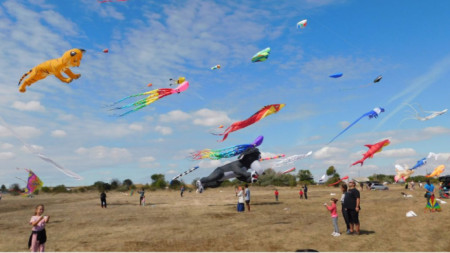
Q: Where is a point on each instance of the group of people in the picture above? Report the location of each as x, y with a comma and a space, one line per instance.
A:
350, 201
243, 197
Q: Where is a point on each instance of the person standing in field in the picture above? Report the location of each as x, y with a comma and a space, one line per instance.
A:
305, 190
301, 193
432, 204
352, 205
103, 199
247, 197
240, 195
344, 211
182, 190
38, 237
333, 210
142, 196
276, 194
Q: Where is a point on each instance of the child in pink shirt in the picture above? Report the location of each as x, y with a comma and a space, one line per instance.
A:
333, 210
38, 237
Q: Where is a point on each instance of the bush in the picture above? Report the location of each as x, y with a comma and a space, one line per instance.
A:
46, 189
60, 189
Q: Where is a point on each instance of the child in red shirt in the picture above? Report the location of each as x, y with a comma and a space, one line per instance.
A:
333, 210
276, 194
301, 193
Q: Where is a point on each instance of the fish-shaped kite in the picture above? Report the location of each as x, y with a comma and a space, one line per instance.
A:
215, 67
372, 114
432, 114
153, 96
262, 113
437, 171
402, 172
373, 148
216, 154
419, 163
261, 55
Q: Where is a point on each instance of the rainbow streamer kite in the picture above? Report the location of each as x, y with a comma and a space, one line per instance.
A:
153, 96
264, 112
33, 183
216, 154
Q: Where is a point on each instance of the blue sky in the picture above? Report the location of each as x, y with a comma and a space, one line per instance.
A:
152, 41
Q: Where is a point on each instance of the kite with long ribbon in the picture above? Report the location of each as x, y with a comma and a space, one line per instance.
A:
340, 180
153, 96
216, 154
262, 113
291, 159
42, 156
372, 114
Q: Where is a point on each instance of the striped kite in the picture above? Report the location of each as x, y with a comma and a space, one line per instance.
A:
264, 112
216, 154
153, 96
273, 157
291, 159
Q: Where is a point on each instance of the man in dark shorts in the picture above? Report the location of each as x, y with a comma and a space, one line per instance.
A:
351, 205
247, 197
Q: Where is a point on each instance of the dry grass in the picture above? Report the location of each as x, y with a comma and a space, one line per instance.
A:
209, 222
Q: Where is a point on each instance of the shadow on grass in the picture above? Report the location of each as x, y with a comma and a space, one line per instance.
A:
266, 203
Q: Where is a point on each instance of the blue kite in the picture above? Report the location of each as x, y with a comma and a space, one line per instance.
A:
419, 163
336, 75
372, 114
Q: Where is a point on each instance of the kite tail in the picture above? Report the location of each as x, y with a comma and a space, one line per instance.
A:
24, 75
335, 183
360, 161
354, 122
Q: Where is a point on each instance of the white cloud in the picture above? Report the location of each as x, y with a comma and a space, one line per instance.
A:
30, 106
6, 155
344, 124
102, 152
163, 130
174, 116
403, 152
210, 164
147, 159
136, 127
35, 148
172, 172
6, 146
207, 117
328, 152
59, 133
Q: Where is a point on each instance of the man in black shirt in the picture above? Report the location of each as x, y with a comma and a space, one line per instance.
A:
351, 205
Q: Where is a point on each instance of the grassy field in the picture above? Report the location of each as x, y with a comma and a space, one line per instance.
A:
209, 222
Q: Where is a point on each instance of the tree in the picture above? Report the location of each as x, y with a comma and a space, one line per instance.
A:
127, 182
14, 189
331, 171
305, 176
158, 181
175, 184
3, 189
115, 183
